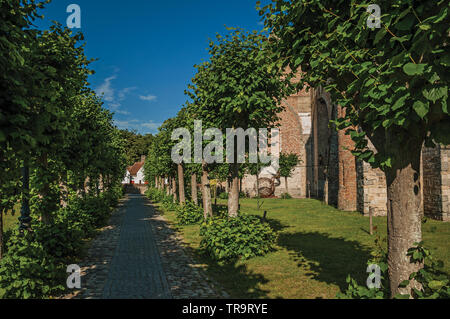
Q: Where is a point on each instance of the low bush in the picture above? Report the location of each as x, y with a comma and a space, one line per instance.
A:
168, 203
189, 214
285, 196
434, 281
155, 195
34, 263
27, 271
62, 239
223, 195
242, 237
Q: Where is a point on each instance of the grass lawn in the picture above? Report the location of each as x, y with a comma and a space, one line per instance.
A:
11, 221
318, 247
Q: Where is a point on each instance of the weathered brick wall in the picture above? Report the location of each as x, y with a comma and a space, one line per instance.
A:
436, 182
295, 127
328, 171
347, 193
371, 190
445, 177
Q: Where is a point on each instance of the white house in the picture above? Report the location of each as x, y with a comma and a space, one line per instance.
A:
135, 173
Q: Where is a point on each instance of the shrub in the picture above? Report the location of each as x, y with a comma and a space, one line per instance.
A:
223, 195
189, 214
168, 203
285, 196
62, 239
435, 282
243, 195
27, 271
244, 237
155, 195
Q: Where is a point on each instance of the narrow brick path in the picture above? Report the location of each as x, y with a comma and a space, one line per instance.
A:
138, 256
136, 270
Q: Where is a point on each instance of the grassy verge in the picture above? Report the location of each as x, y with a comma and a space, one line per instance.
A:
318, 247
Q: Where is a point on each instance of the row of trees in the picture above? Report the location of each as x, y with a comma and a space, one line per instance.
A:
239, 87
55, 137
392, 84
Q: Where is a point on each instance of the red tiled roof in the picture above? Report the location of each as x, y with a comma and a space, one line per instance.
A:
135, 168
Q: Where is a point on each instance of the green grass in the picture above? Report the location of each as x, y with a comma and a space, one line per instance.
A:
318, 247
11, 221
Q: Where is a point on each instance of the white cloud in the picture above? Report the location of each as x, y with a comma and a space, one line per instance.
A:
106, 89
148, 97
114, 101
143, 127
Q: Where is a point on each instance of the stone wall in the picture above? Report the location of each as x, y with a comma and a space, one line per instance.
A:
436, 182
371, 190
347, 196
445, 176
328, 170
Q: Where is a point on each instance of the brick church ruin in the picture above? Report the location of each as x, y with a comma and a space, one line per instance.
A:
328, 171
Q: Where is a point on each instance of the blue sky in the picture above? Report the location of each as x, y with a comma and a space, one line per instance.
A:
147, 50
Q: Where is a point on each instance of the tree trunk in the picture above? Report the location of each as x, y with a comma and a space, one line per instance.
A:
181, 184
46, 213
404, 217
156, 181
233, 196
167, 186
174, 189
194, 188
206, 193
286, 184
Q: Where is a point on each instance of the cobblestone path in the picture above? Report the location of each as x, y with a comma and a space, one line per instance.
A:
138, 256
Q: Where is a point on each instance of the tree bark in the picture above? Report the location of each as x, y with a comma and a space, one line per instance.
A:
194, 188
167, 186
46, 214
181, 184
286, 184
233, 196
404, 217
206, 193
174, 189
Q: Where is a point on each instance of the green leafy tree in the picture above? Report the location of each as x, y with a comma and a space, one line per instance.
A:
239, 87
392, 83
287, 163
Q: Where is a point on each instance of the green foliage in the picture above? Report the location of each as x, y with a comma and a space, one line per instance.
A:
434, 281
287, 164
223, 195
28, 271
168, 203
285, 196
136, 145
155, 195
189, 214
243, 195
62, 240
392, 81
379, 257
242, 237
